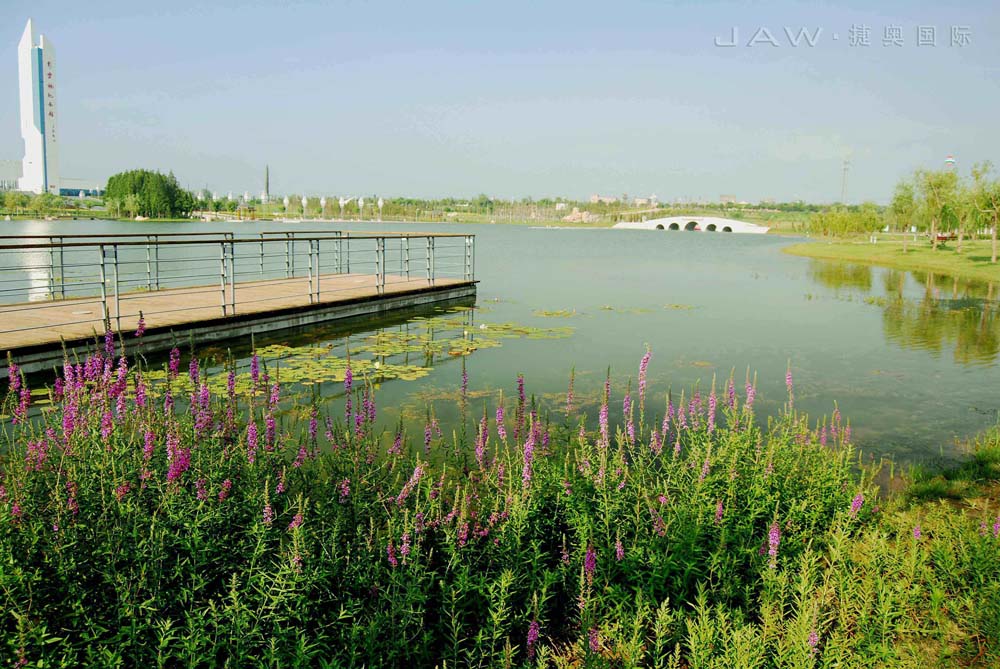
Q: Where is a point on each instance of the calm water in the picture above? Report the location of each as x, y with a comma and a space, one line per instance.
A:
911, 359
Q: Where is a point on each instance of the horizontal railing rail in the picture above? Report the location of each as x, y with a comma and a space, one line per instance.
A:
106, 278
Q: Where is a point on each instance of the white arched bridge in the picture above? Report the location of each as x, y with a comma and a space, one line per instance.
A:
695, 224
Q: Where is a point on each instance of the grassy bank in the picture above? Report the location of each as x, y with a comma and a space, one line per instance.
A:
168, 526
973, 263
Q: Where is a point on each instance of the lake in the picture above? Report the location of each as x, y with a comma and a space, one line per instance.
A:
911, 359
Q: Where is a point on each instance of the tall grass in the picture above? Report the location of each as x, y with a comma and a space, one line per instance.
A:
203, 530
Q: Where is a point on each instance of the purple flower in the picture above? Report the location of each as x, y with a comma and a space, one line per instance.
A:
773, 540
175, 363
410, 485
751, 391
201, 490
916, 531
348, 379
148, 445
788, 383
718, 512
594, 639
404, 546
345, 489
122, 490
501, 428
141, 329
227, 485
533, 629
528, 457
731, 394
713, 402
296, 522
704, 471
590, 563
602, 420
813, 642
390, 551
619, 550
856, 504
268, 516
481, 439
643, 364
251, 442
996, 528
569, 391
255, 370
109, 344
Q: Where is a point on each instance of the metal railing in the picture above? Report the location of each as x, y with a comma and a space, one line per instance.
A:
107, 275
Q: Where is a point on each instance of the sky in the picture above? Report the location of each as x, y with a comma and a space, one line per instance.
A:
517, 98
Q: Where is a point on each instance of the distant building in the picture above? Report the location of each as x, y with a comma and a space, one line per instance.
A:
36, 62
727, 199
560, 206
603, 199
10, 172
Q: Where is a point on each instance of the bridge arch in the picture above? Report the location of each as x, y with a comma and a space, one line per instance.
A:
711, 227
727, 229
692, 225
675, 226
659, 226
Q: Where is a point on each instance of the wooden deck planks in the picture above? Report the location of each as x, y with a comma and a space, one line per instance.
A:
49, 322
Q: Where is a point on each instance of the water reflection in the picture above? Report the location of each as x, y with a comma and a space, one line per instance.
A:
925, 311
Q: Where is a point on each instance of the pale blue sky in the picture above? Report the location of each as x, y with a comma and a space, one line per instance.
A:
513, 98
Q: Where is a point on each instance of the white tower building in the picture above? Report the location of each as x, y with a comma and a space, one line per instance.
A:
36, 61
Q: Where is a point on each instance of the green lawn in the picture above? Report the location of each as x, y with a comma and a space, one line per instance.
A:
973, 263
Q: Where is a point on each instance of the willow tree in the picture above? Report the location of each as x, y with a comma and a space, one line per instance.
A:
989, 206
938, 191
903, 207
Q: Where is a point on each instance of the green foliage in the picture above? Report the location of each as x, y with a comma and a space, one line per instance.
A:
215, 530
840, 221
146, 193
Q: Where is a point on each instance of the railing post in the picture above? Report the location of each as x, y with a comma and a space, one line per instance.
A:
232, 275
380, 264
52, 264
433, 269
105, 315
319, 274
288, 256
222, 275
347, 255
310, 271
468, 258
156, 261
406, 257
428, 240
62, 270
149, 265
337, 254
262, 254
118, 308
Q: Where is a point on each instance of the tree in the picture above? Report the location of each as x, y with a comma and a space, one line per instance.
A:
903, 207
989, 205
937, 191
154, 194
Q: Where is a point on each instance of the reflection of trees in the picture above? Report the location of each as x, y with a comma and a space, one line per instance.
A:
952, 312
841, 275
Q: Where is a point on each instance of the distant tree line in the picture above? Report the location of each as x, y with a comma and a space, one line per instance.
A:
147, 193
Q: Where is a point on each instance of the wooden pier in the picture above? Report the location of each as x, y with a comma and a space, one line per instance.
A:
75, 288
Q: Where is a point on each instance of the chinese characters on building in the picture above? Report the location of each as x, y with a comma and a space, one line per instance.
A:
50, 100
